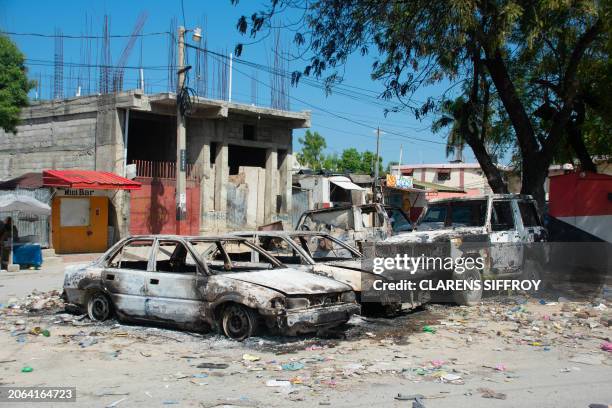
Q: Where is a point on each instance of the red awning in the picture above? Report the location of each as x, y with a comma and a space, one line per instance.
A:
87, 179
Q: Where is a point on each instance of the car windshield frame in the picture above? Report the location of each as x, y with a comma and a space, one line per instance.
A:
451, 208
397, 210
217, 244
303, 245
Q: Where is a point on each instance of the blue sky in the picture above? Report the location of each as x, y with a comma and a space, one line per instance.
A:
45, 16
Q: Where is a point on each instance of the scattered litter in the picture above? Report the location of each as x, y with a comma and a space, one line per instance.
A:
292, 366
200, 375
114, 404
278, 383
606, 346
27, 369
429, 329
489, 393
415, 398
452, 379
213, 365
88, 341
250, 357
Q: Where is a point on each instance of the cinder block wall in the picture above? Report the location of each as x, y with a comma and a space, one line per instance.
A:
49, 143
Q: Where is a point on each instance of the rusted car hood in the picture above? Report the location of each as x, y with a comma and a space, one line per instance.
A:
290, 281
440, 235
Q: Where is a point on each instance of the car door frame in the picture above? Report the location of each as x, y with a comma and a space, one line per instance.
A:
511, 248
129, 304
165, 308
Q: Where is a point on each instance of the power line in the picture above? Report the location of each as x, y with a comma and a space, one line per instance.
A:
81, 37
335, 114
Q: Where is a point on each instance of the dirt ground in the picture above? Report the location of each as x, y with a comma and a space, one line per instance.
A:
510, 351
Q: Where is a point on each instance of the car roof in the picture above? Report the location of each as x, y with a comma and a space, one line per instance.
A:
189, 237
485, 197
278, 233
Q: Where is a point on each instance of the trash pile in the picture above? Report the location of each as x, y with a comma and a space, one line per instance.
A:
35, 302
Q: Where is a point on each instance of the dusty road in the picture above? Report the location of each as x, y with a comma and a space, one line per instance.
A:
516, 350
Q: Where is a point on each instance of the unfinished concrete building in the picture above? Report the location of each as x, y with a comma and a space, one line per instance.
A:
239, 157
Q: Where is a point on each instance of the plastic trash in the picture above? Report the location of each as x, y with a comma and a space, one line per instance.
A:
88, 341
292, 366
606, 346
200, 375
250, 357
27, 369
429, 329
46, 333
278, 383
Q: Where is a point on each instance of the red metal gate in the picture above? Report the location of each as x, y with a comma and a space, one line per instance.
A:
153, 207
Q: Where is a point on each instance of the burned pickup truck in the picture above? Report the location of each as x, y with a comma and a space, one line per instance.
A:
322, 254
167, 279
355, 224
501, 236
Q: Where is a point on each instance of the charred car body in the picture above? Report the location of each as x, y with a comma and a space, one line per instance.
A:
500, 234
322, 254
355, 224
166, 279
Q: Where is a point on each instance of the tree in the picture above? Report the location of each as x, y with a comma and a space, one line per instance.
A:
353, 161
311, 154
14, 84
530, 52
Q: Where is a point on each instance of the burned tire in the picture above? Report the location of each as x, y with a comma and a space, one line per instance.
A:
99, 307
238, 322
468, 297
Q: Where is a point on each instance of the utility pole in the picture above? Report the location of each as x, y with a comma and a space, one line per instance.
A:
376, 192
181, 154
399, 164
229, 93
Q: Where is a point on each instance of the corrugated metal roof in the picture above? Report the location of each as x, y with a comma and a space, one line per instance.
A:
88, 179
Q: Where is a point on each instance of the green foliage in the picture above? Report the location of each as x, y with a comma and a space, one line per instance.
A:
351, 160
311, 154
535, 55
14, 84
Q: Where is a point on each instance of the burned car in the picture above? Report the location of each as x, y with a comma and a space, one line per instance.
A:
167, 279
323, 254
355, 224
501, 234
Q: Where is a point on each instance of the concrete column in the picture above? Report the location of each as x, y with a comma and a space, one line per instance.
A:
109, 157
221, 177
286, 160
270, 189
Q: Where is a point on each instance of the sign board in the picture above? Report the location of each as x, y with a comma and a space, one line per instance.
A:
399, 181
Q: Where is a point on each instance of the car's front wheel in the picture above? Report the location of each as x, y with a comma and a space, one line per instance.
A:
238, 322
99, 307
